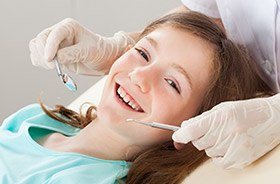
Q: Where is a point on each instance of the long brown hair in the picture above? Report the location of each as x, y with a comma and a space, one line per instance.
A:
234, 78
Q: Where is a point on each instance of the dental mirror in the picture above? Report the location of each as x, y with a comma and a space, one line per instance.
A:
66, 79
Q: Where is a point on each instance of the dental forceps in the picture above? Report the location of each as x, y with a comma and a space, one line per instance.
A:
66, 79
155, 125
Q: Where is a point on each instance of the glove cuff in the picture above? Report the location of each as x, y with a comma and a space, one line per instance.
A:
109, 50
122, 40
117, 45
122, 36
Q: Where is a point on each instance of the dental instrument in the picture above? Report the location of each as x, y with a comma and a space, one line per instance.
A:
155, 125
66, 79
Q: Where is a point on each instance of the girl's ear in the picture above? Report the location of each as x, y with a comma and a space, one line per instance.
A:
128, 47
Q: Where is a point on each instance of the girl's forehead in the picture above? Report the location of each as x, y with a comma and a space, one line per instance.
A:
179, 44
178, 35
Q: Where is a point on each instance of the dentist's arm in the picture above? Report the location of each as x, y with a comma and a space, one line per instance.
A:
235, 134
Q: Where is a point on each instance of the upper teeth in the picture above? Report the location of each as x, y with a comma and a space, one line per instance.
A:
128, 99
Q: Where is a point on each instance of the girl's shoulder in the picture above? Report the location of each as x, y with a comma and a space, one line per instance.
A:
33, 115
14, 121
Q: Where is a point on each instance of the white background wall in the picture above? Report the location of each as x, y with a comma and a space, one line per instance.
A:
21, 20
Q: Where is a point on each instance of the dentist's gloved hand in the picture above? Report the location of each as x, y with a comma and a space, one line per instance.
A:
236, 133
77, 48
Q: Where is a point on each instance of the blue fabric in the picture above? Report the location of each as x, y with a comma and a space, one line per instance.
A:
24, 161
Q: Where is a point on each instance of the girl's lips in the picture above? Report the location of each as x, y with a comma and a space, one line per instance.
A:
121, 102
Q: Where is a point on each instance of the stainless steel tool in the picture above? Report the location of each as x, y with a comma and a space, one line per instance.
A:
155, 125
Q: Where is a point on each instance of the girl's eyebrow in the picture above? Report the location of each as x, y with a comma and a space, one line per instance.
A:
152, 42
177, 67
181, 70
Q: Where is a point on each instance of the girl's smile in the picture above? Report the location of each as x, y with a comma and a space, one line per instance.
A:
126, 100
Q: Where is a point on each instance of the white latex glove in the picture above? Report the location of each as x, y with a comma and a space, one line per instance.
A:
77, 48
236, 133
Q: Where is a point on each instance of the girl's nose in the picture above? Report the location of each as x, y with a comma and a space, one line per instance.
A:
143, 77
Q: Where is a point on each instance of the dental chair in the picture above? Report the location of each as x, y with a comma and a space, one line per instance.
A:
265, 170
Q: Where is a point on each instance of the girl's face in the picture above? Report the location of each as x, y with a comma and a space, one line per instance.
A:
166, 74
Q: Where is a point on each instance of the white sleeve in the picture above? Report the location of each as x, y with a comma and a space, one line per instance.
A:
206, 7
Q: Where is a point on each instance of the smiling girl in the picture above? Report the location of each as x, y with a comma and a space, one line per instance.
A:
182, 65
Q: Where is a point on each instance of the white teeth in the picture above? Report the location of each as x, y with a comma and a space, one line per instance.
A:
132, 105
121, 92
122, 95
127, 99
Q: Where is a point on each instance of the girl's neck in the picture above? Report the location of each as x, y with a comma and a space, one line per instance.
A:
94, 140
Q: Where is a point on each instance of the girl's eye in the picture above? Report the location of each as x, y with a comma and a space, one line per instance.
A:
173, 84
143, 54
